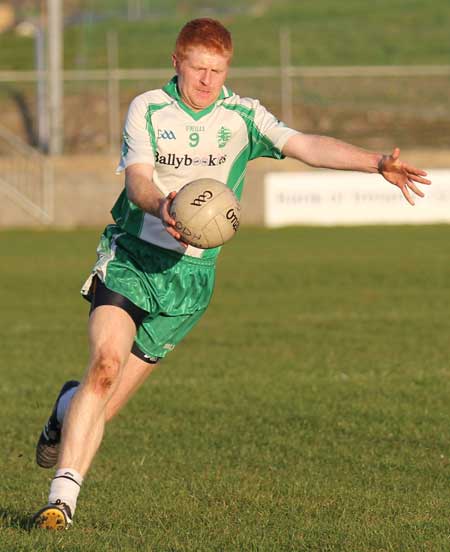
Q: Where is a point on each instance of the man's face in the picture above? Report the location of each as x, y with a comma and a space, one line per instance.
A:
201, 75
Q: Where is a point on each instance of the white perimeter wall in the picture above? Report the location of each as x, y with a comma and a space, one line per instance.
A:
276, 193
338, 197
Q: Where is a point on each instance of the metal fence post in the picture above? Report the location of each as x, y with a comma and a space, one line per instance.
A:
41, 88
113, 92
285, 73
55, 86
49, 189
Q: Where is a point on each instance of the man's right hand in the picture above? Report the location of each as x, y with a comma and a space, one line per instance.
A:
168, 221
143, 192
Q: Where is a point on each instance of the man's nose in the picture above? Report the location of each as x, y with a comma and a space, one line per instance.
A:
206, 77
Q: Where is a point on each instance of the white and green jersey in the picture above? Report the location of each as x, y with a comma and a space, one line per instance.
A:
184, 145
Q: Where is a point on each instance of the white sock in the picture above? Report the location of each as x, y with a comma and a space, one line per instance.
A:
63, 403
65, 487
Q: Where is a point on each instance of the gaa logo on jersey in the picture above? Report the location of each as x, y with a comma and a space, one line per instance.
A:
166, 134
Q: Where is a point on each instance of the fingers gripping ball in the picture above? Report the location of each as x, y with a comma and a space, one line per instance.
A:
207, 213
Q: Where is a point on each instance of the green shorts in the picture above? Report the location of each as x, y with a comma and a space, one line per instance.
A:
173, 289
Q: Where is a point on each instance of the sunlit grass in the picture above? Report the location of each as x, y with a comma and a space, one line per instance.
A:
308, 411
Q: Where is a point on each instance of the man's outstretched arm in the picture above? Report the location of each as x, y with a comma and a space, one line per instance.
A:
329, 153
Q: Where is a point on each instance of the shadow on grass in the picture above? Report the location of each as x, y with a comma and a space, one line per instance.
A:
15, 520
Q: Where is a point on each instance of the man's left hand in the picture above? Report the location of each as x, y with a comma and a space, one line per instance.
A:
402, 175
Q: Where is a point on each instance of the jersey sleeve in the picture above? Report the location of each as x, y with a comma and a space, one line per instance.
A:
137, 144
268, 135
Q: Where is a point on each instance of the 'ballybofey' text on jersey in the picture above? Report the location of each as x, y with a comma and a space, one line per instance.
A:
184, 145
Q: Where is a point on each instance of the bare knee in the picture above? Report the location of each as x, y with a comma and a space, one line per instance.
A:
104, 371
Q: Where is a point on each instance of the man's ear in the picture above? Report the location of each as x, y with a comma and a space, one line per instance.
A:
174, 62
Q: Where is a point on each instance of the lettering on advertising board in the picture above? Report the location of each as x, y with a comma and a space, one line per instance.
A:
339, 197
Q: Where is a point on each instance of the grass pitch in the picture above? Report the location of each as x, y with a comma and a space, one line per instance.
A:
308, 411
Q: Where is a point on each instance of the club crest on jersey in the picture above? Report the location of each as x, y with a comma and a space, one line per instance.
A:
223, 136
166, 134
177, 161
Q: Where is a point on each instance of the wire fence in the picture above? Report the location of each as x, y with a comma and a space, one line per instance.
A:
26, 177
373, 106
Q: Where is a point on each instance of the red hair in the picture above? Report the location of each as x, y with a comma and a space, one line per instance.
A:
206, 32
